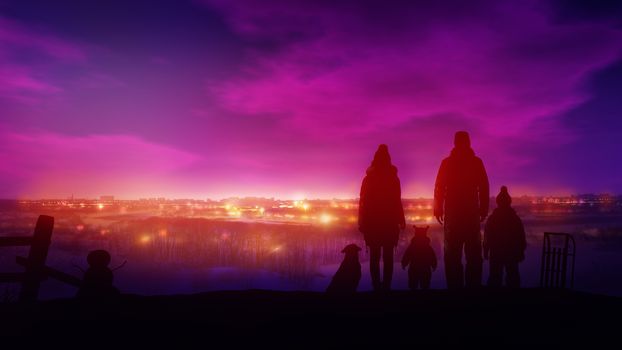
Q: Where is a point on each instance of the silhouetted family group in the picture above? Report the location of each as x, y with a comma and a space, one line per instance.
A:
461, 201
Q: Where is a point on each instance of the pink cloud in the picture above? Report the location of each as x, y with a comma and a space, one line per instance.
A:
17, 35
48, 164
319, 85
337, 78
24, 82
503, 66
19, 84
350, 75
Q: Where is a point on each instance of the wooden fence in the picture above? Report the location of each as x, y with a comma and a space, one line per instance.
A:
34, 263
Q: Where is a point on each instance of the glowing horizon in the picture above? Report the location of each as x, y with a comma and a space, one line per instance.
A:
292, 198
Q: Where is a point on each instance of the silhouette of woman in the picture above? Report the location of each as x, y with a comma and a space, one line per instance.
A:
381, 215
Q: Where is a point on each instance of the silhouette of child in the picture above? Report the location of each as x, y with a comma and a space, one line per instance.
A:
420, 258
97, 282
504, 242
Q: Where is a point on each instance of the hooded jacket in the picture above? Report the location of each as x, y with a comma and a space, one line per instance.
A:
461, 189
504, 236
380, 206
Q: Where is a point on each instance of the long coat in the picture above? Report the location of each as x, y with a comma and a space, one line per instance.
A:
380, 207
461, 192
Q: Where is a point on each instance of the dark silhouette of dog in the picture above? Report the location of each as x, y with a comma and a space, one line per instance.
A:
346, 279
420, 259
98, 278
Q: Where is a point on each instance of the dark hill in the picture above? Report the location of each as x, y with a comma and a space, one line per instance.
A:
305, 318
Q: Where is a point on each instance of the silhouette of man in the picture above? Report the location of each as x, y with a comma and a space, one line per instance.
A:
381, 216
460, 204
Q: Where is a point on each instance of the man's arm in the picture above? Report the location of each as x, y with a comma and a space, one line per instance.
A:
440, 188
484, 192
400, 209
523, 240
485, 245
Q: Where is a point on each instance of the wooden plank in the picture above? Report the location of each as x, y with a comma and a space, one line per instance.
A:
53, 273
15, 241
36, 259
8, 277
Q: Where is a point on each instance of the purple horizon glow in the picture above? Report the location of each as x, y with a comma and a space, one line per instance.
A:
290, 99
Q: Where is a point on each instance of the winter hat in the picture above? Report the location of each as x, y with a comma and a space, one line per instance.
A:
462, 139
382, 157
503, 198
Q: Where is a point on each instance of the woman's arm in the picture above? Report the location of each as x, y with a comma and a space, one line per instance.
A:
362, 200
400, 207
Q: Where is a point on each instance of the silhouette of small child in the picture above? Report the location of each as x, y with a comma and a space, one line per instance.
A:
420, 259
97, 282
504, 242
346, 279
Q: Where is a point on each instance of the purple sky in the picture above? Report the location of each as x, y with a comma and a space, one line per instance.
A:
291, 98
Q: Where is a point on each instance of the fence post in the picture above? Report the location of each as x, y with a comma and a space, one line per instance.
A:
36, 259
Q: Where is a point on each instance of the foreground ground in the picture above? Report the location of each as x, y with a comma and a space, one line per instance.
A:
305, 318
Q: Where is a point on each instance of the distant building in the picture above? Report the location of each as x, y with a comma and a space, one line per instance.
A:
106, 198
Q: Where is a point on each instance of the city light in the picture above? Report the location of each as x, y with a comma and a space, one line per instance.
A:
300, 204
329, 212
234, 212
326, 218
